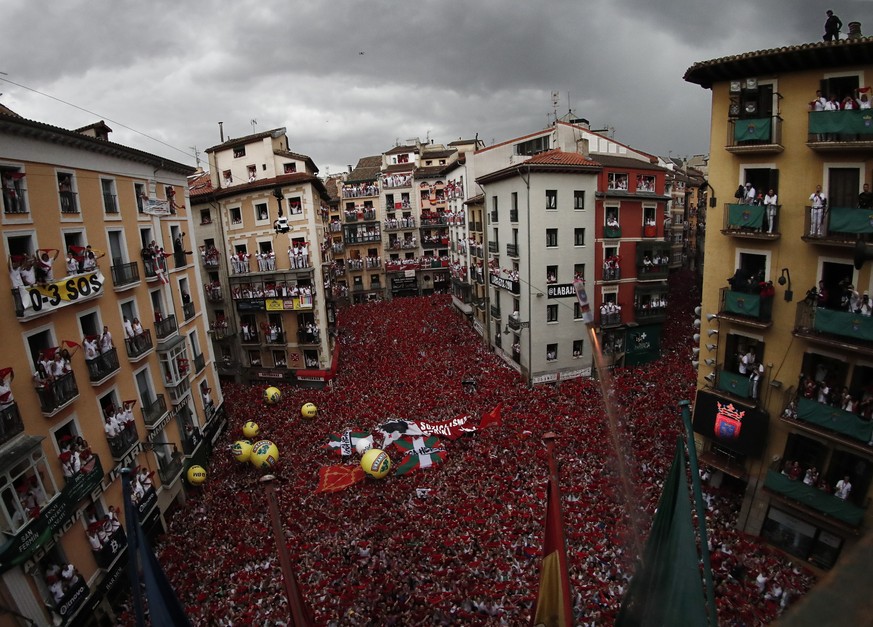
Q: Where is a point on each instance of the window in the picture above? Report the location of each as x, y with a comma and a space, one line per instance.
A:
551, 199
552, 238
252, 171
578, 237
645, 183
551, 313
579, 271
295, 206
24, 489
235, 216
67, 192
261, 212
578, 346
532, 146
289, 168
551, 352
139, 191
238, 152
110, 198
551, 274
228, 177
579, 199
14, 192
205, 217
494, 208
649, 217
577, 311
616, 181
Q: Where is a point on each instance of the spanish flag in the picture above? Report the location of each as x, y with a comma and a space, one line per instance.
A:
554, 606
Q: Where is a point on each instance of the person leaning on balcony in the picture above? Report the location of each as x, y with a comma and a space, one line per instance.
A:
106, 344
865, 198
749, 195
843, 488
770, 202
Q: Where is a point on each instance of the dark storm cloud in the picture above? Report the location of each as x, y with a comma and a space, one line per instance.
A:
438, 69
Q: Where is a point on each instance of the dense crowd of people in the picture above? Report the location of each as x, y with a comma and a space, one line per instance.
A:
459, 544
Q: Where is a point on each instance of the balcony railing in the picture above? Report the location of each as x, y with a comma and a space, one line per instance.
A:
124, 274
840, 130
745, 307
14, 200
493, 216
755, 135
188, 311
495, 311
512, 250
172, 470
199, 362
739, 385
612, 274
214, 293
178, 391
221, 332
166, 327
610, 319
305, 337
841, 226
611, 232
751, 221
513, 215
69, 202
103, 365
10, 423
152, 266
154, 411
833, 419
493, 247
110, 203
138, 344
58, 393
838, 329
122, 443
652, 271
814, 498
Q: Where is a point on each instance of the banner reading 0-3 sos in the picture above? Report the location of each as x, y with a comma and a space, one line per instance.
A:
67, 291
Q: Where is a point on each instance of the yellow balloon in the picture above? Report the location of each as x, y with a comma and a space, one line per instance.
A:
309, 410
241, 450
265, 454
251, 429
272, 395
196, 475
376, 463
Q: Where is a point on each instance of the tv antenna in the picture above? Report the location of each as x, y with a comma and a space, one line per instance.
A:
254, 123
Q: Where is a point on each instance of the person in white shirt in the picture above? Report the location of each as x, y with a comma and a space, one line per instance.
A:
128, 327
749, 197
818, 201
106, 344
843, 488
770, 202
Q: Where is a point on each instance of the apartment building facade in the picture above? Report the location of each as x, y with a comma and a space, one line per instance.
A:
108, 363
783, 399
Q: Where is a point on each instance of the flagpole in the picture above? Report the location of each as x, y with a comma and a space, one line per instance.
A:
130, 518
555, 488
701, 511
298, 614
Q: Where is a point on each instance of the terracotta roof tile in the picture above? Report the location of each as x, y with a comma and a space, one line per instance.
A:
559, 157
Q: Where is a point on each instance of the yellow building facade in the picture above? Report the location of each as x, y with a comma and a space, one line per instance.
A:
784, 402
106, 363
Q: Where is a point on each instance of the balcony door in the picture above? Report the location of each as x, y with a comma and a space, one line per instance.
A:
843, 187
836, 276
116, 247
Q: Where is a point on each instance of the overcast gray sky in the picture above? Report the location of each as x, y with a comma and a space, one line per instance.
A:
439, 68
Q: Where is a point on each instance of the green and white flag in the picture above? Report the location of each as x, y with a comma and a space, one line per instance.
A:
419, 452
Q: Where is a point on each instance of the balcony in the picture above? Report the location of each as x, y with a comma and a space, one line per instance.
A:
513, 215
646, 315
180, 259
14, 199
495, 311
492, 216
832, 422
612, 274
154, 411
835, 329
58, 394
199, 363
166, 328
309, 337
111, 549
69, 203
110, 203
840, 226
750, 222
124, 275
493, 247
840, 131
120, 444
151, 268
210, 260
653, 271
362, 239
188, 311
214, 293
171, 471
746, 308
611, 232
10, 423
138, 345
739, 386
178, 391
102, 366
434, 242
398, 224
221, 331
755, 135
512, 250
612, 319
812, 498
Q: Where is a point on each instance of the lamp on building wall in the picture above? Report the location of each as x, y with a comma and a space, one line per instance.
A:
711, 317
711, 347
709, 362
782, 280
710, 377
712, 332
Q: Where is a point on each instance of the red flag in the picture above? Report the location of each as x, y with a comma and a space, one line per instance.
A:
492, 418
554, 605
336, 478
71, 346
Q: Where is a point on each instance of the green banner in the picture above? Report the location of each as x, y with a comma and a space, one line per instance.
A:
612, 231
742, 303
756, 129
733, 383
834, 419
814, 498
52, 518
643, 344
749, 216
848, 220
855, 122
843, 323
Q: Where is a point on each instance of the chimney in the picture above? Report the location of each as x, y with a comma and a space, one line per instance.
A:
855, 30
221, 131
350, 169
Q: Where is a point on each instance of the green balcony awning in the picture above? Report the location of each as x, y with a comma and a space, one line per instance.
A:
814, 498
750, 216
835, 419
855, 121
753, 129
742, 303
844, 323
850, 220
